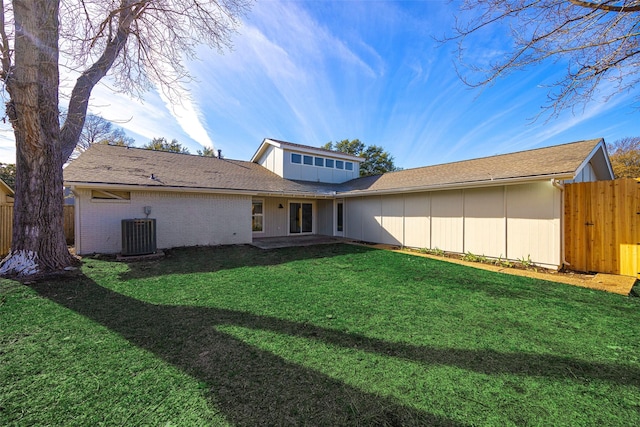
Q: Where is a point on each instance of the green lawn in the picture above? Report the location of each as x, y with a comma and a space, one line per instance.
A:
325, 335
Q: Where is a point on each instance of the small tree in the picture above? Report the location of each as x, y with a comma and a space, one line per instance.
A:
8, 174
377, 161
161, 144
98, 130
206, 152
625, 157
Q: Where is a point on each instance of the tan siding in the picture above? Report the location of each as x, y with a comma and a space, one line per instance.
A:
533, 224
353, 218
372, 219
275, 218
484, 222
417, 220
392, 220
446, 220
324, 217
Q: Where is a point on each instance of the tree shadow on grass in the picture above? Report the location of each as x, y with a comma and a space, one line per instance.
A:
251, 385
207, 259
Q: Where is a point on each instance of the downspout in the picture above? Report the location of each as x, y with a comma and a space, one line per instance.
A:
77, 226
560, 187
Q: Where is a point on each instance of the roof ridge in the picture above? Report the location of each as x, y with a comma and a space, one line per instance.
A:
166, 152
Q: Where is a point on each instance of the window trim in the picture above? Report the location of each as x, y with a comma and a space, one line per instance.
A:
254, 215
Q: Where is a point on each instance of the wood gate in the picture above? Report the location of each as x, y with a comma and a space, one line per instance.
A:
602, 226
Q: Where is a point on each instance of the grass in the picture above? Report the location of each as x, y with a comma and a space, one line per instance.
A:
324, 335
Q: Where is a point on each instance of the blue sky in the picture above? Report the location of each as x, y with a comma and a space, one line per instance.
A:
316, 71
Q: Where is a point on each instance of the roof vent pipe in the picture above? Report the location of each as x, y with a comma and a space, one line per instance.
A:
219, 153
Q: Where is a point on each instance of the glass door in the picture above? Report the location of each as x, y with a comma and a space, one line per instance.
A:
300, 218
339, 222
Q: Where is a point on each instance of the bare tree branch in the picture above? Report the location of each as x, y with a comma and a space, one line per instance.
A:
598, 40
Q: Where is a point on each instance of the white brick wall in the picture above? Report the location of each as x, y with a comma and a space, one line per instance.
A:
182, 219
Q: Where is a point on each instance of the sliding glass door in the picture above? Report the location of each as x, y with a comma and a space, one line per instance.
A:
300, 218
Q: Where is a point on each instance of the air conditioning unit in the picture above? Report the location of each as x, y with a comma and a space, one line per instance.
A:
138, 236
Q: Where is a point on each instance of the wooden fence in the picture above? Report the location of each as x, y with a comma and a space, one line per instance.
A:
602, 226
6, 226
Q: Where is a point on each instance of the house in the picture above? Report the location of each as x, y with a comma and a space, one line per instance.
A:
6, 193
507, 206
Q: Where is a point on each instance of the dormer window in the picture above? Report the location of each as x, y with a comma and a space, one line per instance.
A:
339, 164
307, 160
296, 158
319, 161
328, 163
348, 166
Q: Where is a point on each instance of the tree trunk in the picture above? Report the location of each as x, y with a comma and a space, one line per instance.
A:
38, 232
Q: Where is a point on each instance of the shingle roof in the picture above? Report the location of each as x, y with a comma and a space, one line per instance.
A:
109, 165
559, 161
105, 164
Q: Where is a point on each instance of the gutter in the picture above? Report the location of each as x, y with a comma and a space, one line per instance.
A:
201, 190
560, 186
455, 186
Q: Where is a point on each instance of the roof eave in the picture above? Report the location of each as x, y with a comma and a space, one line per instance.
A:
459, 185
206, 190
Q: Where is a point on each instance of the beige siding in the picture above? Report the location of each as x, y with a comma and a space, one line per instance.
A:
182, 219
324, 217
372, 221
533, 224
275, 217
353, 218
392, 220
446, 220
485, 222
417, 220
512, 222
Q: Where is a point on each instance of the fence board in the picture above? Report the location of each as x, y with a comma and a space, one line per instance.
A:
6, 226
6, 218
601, 226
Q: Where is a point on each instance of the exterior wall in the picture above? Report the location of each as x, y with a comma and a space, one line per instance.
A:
587, 174
182, 219
316, 173
485, 221
275, 218
324, 220
514, 222
447, 224
417, 220
272, 159
533, 223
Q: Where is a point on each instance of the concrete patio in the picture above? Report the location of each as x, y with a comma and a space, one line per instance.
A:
291, 241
